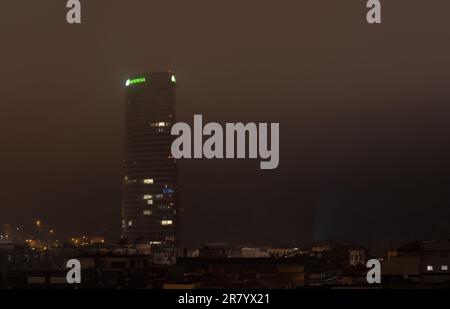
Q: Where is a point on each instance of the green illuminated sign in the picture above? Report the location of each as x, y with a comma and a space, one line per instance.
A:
134, 81
174, 79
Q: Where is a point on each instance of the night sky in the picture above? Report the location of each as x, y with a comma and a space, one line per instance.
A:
363, 111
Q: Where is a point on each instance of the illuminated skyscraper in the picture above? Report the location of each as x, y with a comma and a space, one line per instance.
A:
150, 206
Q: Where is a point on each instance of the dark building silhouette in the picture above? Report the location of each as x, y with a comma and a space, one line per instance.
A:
150, 206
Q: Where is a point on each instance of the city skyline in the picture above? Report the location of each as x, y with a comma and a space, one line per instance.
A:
363, 111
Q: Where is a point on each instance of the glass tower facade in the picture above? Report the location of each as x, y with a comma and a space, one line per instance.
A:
150, 208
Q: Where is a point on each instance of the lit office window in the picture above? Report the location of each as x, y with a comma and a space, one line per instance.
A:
147, 212
148, 181
166, 222
429, 268
444, 267
150, 202
148, 197
160, 124
130, 223
159, 196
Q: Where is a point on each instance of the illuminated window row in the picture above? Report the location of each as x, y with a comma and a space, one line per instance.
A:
443, 267
148, 181
160, 124
148, 213
150, 196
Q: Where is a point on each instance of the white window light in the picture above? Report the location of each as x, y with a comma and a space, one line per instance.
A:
148, 197
148, 181
160, 124
429, 268
444, 267
166, 222
147, 212
150, 202
130, 223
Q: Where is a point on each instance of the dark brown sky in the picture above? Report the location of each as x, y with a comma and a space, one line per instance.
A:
363, 111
